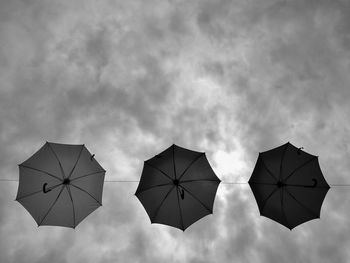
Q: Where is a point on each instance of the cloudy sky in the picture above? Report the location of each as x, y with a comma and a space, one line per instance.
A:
130, 78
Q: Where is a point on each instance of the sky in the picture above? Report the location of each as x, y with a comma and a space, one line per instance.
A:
130, 78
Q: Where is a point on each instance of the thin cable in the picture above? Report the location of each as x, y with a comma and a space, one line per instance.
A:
106, 181
120, 181
9, 180
233, 183
136, 181
126, 181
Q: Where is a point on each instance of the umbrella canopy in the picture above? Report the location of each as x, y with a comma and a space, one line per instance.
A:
288, 185
60, 184
177, 187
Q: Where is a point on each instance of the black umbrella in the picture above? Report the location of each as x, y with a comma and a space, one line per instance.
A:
60, 184
288, 185
177, 187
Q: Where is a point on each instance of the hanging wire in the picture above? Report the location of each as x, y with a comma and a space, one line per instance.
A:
121, 181
8, 180
127, 181
233, 183
137, 181
106, 181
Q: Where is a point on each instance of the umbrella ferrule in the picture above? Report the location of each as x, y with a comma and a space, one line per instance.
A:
280, 184
66, 181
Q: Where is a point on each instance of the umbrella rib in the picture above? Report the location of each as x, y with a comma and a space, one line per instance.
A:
267, 198
201, 180
262, 183
48, 211
159, 171
62, 171
178, 201
183, 173
174, 160
151, 187
305, 186
35, 169
81, 189
27, 195
294, 185
305, 207
158, 208
195, 197
282, 159
76, 162
268, 170
282, 207
87, 175
301, 166
71, 198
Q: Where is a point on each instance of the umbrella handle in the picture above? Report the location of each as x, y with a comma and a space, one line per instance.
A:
182, 193
299, 149
44, 188
314, 183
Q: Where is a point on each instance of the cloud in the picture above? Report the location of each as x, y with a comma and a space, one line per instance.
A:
230, 78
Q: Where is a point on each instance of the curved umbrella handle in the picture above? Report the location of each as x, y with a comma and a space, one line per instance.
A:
182, 193
313, 185
299, 150
44, 188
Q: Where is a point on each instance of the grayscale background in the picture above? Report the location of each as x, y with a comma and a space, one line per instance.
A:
130, 78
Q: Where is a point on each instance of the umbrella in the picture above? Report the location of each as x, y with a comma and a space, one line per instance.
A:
288, 185
60, 184
177, 187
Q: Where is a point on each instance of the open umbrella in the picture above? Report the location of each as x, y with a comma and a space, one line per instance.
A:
60, 184
288, 185
177, 187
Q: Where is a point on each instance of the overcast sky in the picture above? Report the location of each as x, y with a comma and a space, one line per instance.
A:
130, 78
